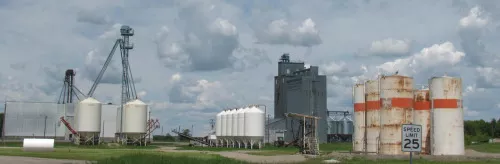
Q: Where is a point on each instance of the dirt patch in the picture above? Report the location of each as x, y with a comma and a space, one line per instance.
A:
31, 160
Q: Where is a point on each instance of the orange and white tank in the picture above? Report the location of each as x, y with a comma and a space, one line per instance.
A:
396, 96
447, 116
359, 117
372, 115
422, 116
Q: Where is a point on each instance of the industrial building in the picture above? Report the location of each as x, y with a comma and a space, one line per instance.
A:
298, 90
87, 121
383, 105
42, 120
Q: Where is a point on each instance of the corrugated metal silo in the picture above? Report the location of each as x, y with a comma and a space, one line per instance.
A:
359, 117
422, 116
447, 116
372, 115
396, 94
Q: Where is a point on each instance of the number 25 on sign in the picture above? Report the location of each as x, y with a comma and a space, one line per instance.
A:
411, 135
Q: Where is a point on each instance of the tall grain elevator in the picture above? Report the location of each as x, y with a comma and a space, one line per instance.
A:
300, 90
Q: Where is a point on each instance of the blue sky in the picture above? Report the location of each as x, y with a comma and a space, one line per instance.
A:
196, 57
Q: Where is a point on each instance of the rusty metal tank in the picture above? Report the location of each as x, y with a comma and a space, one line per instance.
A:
358, 141
447, 116
422, 116
372, 115
396, 96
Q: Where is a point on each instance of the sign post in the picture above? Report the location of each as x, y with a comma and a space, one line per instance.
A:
411, 137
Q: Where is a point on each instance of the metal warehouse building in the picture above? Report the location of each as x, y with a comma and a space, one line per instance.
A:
38, 119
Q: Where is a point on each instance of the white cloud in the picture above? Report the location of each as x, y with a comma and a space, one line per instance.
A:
390, 47
281, 32
475, 19
437, 57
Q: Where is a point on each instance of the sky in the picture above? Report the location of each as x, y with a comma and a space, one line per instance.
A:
193, 58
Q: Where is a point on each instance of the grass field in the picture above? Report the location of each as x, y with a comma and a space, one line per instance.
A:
122, 156
71, 145
486, 147
129, 155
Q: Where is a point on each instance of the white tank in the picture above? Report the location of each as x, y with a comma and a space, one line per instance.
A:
241, 122
36, 144
254, 124
135, 116
223, 124
234, 125
88, 115
229, 125
447, 116
218, 124
359, 117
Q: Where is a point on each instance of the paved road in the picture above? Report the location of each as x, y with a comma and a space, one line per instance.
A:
32, 160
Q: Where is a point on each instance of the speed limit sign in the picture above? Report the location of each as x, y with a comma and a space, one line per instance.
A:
411, 138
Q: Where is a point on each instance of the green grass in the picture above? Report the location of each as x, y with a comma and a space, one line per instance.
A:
71, 145
121, 156
172, 158
485, 147
336, 146
396, 161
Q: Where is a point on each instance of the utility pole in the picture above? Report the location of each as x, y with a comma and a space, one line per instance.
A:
162, 130
55, 130
45, 126
192, 130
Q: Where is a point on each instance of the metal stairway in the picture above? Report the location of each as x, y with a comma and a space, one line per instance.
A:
193, 139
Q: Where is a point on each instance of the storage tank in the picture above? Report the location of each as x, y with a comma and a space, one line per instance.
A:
447, 116
229, 125
135, 116
218, 124
372, 115
234, 125
359, 118
254, 125
223, 126
88, 120
241, 125
422, 116
396, 94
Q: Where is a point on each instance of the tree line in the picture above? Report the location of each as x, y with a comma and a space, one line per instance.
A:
481, 130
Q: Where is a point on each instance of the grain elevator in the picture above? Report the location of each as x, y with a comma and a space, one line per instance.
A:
299, 90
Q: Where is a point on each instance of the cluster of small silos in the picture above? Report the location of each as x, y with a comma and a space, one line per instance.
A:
383, 105
88, 120
240, 127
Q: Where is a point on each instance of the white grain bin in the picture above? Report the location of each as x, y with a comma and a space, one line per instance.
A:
359, 117
447, 116
88, 120
229, 125
36, 144
218, 124
241, 126
234, 125
372, 115
422, 116
254, 125
223, 131
396, 94
135, 116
